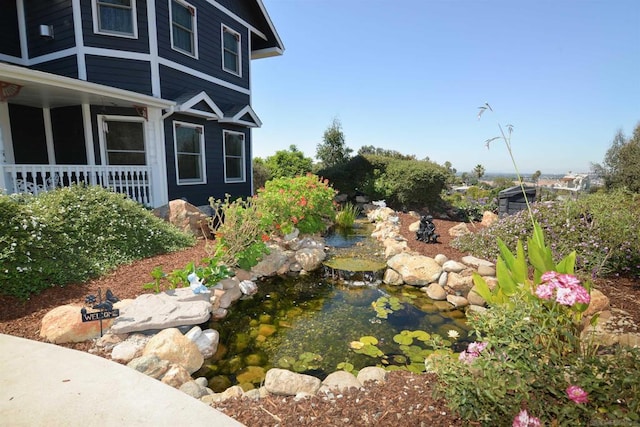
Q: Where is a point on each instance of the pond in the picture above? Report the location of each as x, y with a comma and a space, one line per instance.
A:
316, 325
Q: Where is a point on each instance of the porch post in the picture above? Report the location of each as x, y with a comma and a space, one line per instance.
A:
156, 156
6, 143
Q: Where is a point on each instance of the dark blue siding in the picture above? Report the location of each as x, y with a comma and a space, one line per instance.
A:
174, 84
58, 13
126, 74
10, 40
198, 195
68, 135
64, 67
141, 44
250, 12
209, 44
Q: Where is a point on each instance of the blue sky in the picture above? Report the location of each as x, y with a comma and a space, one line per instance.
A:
408, 75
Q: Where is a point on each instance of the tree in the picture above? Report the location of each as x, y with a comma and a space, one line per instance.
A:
621, 165
536, 176
261, 173
288, 163
333, 150
478, 171
375, 151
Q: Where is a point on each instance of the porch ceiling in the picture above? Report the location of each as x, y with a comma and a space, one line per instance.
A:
40, 89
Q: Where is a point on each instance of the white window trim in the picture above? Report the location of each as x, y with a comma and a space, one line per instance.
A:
96, 22
224, 28
224, 157
203, 165
195, 28
102, 119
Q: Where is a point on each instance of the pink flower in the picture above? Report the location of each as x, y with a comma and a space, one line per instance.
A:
577, 394
544, 291
565, 296
523, 419
476, 347
472, 352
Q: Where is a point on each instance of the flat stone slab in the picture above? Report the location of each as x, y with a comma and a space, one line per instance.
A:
177, 307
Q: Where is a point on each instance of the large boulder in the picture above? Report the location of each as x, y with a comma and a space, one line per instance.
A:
310, 259
176, 307
459, 230
417, 270
171, 345
275, 261
185, 216
64, 324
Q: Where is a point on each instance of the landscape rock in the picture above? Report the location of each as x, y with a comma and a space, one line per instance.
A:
372, 373
599, 302
392, 277
64, 324
184, 216
452, 266
150, 365
459, 283
170, 344
310, 258
193, 389
380, 214
271, 263
415, 270
231, 294
230, 393
442, 280
457, 301
486, 270
393, 247
340, 381
475, 262
206, 341
459, 230
177, 307
286, 383
441, 259
248, 287
488, 218
129, 349
475, 299
176, 376
436, 292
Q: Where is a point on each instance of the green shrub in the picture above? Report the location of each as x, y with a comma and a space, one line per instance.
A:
304, 202
470, 206
75, 233
603, 228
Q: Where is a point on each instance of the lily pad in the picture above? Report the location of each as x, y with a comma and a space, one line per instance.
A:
367, 339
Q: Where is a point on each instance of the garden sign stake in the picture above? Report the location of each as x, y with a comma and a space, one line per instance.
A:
105, 308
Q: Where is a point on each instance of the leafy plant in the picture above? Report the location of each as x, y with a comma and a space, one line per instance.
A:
347, 215
240, 239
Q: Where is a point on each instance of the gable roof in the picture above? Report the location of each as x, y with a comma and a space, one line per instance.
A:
199, 105
242, 115
277, 47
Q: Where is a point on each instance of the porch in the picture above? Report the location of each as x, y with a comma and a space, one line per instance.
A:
133, 181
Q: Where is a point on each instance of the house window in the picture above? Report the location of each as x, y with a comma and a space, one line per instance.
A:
189, 147
234, 157
123, 141
183, 27
115, 17
231, 51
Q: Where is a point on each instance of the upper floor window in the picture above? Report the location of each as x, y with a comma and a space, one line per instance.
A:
183, 27
115, 17
189, 146
234, 157
231, 59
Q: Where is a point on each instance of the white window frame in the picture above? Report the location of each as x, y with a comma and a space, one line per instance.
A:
194, 14
203, 165
95, 11
102, 137
242, 157
238, 37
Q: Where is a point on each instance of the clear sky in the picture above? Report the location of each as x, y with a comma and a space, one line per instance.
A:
408, 75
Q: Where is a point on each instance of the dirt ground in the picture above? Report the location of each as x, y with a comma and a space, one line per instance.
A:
404, 400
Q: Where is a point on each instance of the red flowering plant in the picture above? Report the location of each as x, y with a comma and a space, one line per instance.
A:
304, 202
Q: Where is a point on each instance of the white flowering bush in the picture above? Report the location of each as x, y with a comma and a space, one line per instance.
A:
75, 233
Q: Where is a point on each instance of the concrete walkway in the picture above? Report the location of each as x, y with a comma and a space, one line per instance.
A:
48, 385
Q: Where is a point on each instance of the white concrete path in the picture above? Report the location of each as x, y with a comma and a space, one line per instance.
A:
48, 385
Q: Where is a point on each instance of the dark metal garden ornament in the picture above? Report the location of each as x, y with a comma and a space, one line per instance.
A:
427, 231
105, 308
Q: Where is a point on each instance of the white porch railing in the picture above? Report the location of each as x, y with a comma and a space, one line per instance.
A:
134, 181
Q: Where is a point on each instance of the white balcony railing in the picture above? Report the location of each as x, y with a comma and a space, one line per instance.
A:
134, 181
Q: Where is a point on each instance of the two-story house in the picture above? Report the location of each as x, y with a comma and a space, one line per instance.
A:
151, 98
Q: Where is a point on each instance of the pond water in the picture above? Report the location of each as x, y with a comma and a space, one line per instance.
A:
315, 325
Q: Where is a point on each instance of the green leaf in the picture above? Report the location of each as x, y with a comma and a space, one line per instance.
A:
567, 265
482, 288
507, 285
